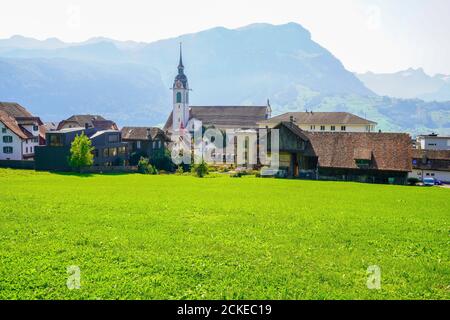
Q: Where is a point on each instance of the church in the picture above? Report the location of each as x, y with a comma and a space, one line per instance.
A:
219, 117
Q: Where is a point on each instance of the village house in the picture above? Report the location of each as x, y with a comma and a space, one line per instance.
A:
20, 132
323, 122
87, 121
432, 142
431, 164
145, 141
109, 149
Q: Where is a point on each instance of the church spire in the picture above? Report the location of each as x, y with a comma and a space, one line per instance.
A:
180, 64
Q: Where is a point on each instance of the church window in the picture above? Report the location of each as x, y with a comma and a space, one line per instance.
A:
178, 97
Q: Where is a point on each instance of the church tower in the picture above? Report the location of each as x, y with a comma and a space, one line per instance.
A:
180, 115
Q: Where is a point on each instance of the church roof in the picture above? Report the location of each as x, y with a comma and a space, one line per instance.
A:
226, 117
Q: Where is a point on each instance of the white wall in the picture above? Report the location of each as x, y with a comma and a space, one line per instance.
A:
348, 128
433, 143
28, 145
439, 175
16, 145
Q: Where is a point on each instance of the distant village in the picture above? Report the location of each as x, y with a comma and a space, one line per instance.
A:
312, 145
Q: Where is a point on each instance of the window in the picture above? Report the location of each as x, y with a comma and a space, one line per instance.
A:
333, 128
105, 153
3, 130
159, 144
362, 163
313, 127
56, 140
7, 150
432, 174
138, 144
95, 153
35, 128
178, 97
26, 150
322, 128
343, 128
113, 138
31, 149
122, 150
35, 140
7, 139
112, 152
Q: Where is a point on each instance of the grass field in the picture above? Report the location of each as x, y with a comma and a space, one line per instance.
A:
180, 237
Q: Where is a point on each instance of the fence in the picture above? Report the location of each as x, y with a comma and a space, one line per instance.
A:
17, 164
110, 169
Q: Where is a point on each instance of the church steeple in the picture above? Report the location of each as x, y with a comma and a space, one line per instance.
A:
180, 97
180, 64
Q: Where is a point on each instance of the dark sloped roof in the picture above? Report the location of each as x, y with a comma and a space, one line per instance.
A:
294, 129
387, 151
431, 159
431, 154
324, 118
224, 117
104, 125
81, 120
142, 133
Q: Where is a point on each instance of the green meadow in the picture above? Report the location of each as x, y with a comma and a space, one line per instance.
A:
181, 237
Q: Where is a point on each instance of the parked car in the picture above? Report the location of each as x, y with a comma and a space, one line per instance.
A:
438, 182
428, 182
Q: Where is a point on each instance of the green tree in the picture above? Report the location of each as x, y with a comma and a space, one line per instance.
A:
201, 169
162, 160
81, 152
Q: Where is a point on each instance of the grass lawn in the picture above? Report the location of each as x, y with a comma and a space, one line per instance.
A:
180, 237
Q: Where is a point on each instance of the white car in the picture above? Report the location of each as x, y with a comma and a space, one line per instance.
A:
428, 182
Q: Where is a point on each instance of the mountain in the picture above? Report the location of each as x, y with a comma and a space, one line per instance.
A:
56, 88
129, 81
409, 84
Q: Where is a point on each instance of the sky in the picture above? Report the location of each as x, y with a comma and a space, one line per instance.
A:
366, 35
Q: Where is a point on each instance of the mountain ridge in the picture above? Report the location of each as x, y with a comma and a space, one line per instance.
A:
243, 66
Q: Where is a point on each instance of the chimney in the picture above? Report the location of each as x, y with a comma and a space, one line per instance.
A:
86, 125
149, 133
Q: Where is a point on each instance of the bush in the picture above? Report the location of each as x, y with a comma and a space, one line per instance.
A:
201, 169
413, 181
145, 167
136, 156
179, 170
162, 160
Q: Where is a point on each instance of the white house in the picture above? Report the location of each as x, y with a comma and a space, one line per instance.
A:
431, 164
20, 132
323, 122
432, 142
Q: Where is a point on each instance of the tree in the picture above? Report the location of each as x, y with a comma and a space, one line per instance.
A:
162, 160
201, 169
81, 152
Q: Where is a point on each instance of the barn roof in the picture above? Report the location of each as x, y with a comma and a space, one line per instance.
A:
386, 151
